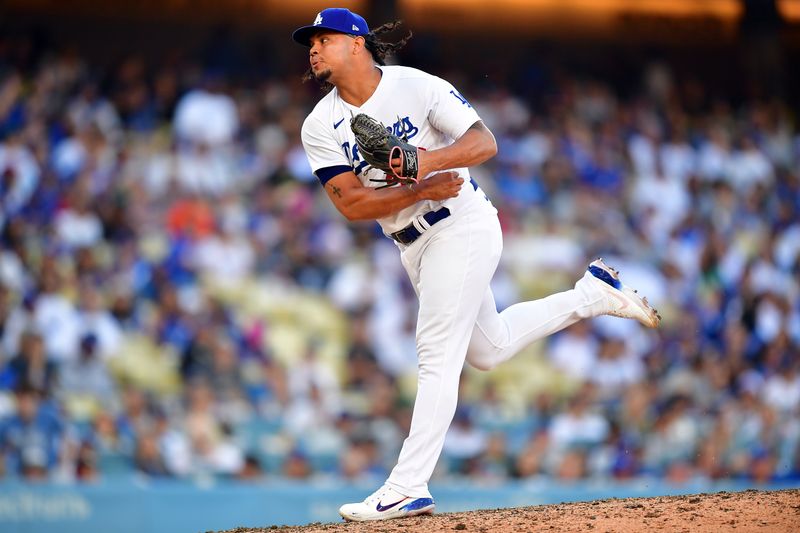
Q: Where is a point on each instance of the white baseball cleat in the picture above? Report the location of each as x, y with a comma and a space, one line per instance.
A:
386, 503
622, 300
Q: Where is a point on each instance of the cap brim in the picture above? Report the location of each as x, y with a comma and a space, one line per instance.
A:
303, 35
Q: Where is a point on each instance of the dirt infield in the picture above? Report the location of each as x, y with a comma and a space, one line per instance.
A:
751, 510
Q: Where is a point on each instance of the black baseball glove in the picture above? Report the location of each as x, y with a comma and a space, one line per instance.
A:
378, 147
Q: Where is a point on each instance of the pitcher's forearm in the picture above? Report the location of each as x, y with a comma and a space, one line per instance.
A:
371, 204
357, 202
476, 146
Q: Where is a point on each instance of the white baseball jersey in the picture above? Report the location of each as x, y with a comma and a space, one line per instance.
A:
409, 101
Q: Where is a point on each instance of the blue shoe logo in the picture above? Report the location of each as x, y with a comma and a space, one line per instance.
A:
419, 503
336, 124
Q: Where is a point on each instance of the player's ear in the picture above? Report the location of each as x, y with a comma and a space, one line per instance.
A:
358, 43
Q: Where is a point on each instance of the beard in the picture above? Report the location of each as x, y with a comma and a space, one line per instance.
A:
323, 76
321, 79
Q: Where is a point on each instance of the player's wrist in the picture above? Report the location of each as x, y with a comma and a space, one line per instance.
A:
418, 190
415, 189
427, 163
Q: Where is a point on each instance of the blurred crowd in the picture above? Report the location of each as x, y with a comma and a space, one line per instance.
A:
178, 299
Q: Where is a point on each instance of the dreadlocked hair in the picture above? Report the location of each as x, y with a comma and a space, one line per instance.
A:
378, 48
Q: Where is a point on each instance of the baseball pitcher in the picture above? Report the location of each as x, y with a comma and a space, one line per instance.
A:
395, 144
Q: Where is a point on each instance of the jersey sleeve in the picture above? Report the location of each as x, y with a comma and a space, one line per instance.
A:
450, 112
322, 149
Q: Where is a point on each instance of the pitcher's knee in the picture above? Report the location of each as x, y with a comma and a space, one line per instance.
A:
481, 364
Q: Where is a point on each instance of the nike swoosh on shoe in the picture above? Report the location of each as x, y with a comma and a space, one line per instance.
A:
381, 508
623, 301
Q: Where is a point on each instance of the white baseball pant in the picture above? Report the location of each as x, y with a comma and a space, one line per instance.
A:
450, 268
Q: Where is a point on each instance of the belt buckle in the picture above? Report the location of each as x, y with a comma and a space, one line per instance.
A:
400, 236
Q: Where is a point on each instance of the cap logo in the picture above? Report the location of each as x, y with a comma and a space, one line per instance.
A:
318, 20
355, 28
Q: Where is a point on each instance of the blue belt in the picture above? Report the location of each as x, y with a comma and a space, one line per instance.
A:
410, 233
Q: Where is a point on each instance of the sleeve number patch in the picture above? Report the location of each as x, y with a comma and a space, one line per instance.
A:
460, 98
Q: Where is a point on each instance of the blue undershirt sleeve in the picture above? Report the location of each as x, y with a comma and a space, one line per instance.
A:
326, 174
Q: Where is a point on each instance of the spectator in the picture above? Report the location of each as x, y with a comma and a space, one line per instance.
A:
31, 366
464, 441
578, 427
96, 321
615, 369
674, 439
782, 389
148, 458
207, 115
31, 438
19, 171
252, 471
361, 461
85, 384
574, 351
78, 225
136, 418
297, 466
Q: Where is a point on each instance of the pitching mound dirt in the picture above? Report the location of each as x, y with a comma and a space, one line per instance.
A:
752, 510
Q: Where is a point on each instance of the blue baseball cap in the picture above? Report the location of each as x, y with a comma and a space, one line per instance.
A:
334, 19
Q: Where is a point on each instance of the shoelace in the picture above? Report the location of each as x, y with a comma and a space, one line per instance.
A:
376, 496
